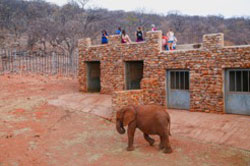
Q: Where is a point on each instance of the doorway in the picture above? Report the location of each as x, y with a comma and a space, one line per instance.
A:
93, 76
134, 74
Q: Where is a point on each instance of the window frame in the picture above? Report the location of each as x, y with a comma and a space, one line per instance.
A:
179, 71
235, 81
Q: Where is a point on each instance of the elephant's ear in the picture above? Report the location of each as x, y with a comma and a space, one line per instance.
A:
129, 115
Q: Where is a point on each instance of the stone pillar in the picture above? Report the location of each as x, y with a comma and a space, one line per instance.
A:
154, 39
114, 39
83, 45
211, 41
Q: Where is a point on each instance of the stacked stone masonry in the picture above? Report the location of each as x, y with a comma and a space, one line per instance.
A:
206, 67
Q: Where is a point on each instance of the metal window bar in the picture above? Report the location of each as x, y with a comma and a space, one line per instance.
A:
229, 82
184, 80
175, 83
187, 80
179, 80
241, 81
235, 83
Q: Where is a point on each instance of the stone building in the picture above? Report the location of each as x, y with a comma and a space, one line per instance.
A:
212, 78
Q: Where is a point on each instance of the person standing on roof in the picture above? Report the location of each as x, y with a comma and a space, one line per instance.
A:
153, 27
104, 37
170, 36
139, 34
125, 38
118, 31
164, 41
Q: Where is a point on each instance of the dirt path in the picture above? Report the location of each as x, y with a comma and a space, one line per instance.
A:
37, 130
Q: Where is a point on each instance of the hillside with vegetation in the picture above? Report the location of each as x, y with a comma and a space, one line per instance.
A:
37, 24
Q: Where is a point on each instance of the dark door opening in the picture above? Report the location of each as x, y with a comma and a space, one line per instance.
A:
134, 74
93, 76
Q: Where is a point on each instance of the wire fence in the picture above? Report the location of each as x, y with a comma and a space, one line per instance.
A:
52, 63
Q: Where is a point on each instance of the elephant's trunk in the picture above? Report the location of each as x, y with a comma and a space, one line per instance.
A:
119, 127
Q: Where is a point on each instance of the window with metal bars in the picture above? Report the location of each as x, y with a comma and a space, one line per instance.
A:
179, 80
239, 80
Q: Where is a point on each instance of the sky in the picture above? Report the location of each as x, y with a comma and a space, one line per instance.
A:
227, 8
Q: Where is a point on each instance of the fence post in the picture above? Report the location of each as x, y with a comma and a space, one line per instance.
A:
14, 60
53, 63
1, 69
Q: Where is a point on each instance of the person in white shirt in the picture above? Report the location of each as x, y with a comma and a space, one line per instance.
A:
171, 37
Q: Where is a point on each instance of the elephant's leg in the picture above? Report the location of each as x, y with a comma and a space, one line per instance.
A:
131, 133
167, 147
151, 141
161, 145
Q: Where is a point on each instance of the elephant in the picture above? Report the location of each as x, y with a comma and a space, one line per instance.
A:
150, 119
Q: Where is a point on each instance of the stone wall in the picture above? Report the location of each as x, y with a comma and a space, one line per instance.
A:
146, 95
206, 66
213, 40
113, 57
123, 98
206, 73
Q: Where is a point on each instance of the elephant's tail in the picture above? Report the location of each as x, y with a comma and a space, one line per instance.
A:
169, 133
169, 122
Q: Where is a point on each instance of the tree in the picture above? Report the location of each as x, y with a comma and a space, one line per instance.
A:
49, 26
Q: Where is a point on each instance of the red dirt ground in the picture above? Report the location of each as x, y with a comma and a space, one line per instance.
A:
34, 132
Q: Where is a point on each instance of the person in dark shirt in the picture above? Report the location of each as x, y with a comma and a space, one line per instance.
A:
139, 34
104, 37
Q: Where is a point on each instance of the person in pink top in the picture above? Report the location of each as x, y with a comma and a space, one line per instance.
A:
153, 27
125, 38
